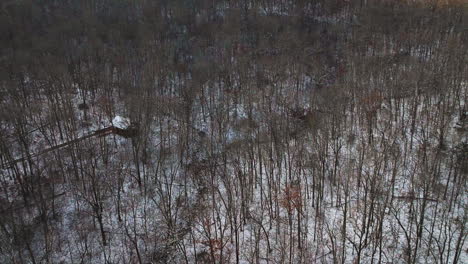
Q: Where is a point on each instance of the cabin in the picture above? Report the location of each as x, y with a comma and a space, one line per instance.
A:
129, 132
124, 127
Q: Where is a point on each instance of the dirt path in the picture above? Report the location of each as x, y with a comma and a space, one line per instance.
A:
101, 132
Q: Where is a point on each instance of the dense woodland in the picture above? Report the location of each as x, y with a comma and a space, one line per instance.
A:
322, 131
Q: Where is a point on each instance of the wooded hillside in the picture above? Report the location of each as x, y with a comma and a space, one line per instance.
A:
196, 131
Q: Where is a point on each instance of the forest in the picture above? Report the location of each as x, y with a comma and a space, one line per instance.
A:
224, 131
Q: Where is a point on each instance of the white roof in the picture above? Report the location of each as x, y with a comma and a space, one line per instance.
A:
121, 122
